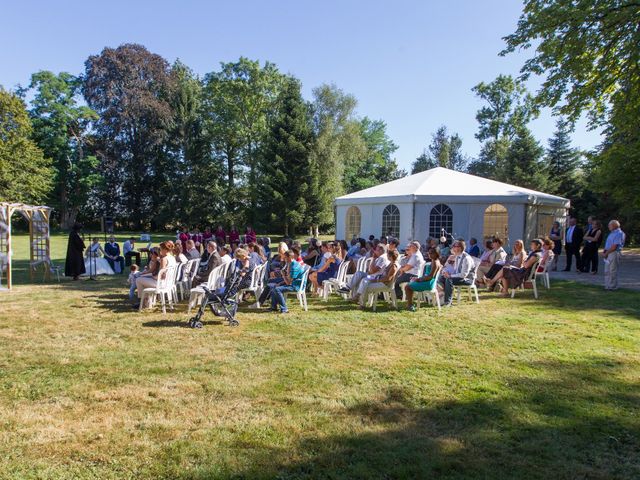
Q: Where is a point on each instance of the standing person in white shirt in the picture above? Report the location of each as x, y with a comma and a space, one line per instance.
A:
413, 266
612, 253
464, 271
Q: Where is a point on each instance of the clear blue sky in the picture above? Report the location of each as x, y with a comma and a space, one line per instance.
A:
410, 63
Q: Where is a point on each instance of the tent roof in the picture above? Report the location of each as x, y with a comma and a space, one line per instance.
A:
444, 185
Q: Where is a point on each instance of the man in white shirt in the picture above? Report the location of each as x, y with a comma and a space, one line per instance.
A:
129, 250
611, 253
463, 272
413, 266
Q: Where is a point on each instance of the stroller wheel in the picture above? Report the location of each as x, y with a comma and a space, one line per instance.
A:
197, 324
234, 323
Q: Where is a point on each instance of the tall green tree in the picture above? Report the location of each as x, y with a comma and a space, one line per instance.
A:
616, 165
444, 151
197, 189
337, 138
524, 163
377, 166
563, 163
130, 88
287, 188
508, 108
61, 129
588, 53
25, 174
238, 102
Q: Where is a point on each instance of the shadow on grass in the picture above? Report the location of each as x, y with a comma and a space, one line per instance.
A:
566, 421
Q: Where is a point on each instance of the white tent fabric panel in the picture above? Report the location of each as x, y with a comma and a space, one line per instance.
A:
529, 212
449, 186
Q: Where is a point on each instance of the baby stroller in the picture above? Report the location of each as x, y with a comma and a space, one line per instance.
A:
222, 304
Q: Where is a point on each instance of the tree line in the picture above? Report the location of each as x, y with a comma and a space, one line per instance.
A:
152, 144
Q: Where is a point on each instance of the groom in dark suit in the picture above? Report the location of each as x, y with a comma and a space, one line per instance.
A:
572, 242
112, 254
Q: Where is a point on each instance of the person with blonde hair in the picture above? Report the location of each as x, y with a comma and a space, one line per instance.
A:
612, 253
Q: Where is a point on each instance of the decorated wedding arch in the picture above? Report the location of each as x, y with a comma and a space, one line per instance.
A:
40, 258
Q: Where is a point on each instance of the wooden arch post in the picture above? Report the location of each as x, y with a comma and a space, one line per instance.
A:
39, 241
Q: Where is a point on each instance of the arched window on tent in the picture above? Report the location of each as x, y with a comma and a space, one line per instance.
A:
440, 217
354, 220
496, 222
391, 221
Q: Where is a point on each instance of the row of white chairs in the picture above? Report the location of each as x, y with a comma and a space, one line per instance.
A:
175, 280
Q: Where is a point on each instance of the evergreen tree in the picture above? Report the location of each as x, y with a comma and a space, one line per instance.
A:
289, 178
563, 162
524, 165
444, 151
25, 175
424, 162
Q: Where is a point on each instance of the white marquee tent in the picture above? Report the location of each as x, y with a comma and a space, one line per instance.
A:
422, 205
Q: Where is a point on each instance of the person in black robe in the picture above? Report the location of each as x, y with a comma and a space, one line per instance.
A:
74, 265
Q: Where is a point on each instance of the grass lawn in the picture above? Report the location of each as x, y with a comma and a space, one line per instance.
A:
518, 389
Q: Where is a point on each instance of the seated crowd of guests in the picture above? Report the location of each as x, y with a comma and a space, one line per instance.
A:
416, 269
454, 265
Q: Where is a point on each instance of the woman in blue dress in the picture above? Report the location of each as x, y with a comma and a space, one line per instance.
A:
427, 281
327, 271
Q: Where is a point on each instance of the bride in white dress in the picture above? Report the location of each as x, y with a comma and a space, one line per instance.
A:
94, 261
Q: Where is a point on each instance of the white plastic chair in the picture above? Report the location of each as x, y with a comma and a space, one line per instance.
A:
430, 296
388, 293
189, 270
256, 286
544, 274
196, 293
532, 279
163, 289
421, 266
472, 290
339, 281
301, 294
177, 277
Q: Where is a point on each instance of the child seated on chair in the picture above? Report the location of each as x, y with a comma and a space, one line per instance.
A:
131, 281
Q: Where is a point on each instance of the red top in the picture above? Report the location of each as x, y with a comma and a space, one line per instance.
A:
234, 236
250, 236
183, 237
